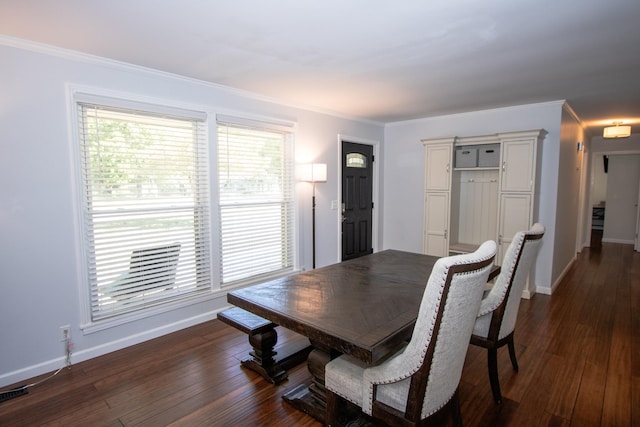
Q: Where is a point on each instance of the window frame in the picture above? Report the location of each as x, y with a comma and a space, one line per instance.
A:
268, 125
153, 106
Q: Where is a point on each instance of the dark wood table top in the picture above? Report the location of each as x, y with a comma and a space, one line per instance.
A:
364, 307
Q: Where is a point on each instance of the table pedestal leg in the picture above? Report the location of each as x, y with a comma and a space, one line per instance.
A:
263, 360
312, 398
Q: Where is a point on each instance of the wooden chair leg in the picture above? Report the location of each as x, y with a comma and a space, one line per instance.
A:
332, 415
455, 408
492, 360
512, 353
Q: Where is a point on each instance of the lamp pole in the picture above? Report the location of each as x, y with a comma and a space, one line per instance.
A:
313, 226
313, 172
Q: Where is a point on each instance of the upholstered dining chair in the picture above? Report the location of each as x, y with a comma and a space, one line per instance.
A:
496, 320
420, 380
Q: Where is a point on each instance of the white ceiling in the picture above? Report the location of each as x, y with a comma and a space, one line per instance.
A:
381, 60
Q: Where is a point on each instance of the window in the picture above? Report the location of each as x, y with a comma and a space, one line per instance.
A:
256, 201
356, 160
145, 206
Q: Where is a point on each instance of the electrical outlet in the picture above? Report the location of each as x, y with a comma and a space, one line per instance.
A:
65, 333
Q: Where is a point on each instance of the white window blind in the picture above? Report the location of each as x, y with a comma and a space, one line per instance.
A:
146, 211
256, 201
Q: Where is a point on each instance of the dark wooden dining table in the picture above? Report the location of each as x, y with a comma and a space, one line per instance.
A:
364, 307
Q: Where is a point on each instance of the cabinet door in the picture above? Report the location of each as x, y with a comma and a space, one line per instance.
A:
518, 165
515, 215
438, 167
436, 224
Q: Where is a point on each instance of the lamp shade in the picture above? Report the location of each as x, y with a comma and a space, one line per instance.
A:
312, 172
617, 131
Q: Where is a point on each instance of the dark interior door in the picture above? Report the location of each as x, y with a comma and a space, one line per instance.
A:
357, 200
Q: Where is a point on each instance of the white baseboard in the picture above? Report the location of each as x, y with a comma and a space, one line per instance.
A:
90, 353
543, 291
621, 241
546, 290
561, 276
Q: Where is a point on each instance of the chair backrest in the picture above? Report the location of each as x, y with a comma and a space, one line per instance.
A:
435, 355
516, 266
154, 266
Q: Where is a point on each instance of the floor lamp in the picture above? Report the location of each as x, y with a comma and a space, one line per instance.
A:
313, 172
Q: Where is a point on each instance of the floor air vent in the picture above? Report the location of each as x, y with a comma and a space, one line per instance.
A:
10, 394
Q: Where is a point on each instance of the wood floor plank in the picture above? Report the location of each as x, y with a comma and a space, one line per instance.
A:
590, 399
531, 361
616, 409
635, 401
566, 384
537, 398
92, 414
578, 351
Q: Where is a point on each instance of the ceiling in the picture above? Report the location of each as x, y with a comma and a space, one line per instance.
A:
381, 60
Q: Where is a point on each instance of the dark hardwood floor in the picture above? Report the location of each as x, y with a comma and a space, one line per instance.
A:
579, 356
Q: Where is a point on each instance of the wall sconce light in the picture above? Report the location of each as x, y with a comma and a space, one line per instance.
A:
313, 172
617, 131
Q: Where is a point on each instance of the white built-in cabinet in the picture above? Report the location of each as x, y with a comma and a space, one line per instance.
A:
479, 188
437, 196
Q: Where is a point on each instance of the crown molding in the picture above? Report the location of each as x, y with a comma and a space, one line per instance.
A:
558, 103
73, 55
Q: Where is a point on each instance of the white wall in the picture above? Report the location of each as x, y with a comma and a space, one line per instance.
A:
404, 172
569, 204
622, 198
39, 269
628, 145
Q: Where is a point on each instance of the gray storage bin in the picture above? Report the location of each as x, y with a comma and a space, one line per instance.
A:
466, 157
489, 156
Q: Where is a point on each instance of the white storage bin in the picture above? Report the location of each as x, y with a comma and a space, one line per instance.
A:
489, 156
466, 157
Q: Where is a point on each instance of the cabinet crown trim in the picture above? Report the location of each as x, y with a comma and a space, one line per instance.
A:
537, 133
447, 140
486, 139
478, 140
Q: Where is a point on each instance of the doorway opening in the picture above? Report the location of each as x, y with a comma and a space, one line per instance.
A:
615, 198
